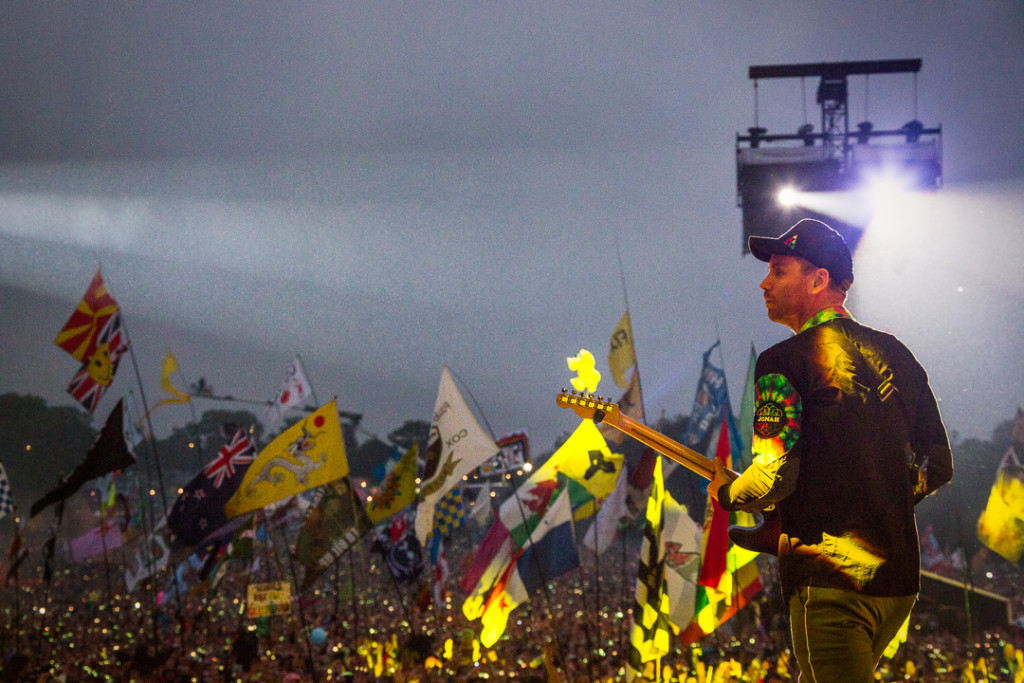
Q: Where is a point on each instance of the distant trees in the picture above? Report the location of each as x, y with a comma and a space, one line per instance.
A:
39, 444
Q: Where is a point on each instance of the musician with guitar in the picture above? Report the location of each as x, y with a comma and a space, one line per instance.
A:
847, 439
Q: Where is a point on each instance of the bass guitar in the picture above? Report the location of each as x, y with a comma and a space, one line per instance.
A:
763, 537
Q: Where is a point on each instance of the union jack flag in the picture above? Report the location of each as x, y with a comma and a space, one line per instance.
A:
239, 451
97, 372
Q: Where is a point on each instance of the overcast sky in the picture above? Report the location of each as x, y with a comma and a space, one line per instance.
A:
390, 188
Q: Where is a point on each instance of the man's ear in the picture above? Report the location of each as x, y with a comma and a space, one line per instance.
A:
821, 279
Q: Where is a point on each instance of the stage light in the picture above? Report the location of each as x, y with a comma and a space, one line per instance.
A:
788, 196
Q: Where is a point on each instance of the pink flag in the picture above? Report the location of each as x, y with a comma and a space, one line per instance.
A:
92, 542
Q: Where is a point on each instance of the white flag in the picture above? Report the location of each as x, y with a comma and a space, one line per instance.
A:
294, 391
606, 522
457, 446
681, 540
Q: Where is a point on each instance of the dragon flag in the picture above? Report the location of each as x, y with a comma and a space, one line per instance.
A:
457, 446
308, 454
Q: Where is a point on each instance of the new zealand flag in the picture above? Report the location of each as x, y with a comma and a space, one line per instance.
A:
199, 511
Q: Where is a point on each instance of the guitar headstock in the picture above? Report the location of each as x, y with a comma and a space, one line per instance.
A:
587, 406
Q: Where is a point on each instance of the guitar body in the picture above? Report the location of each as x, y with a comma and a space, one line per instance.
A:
763, 537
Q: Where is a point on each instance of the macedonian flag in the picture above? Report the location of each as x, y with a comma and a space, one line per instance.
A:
79, 334
308, 454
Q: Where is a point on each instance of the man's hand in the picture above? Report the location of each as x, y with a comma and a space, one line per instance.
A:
722, 477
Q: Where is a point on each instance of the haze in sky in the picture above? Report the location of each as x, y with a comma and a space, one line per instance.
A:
389, 188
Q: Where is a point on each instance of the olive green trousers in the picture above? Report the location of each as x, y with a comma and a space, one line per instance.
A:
839, 635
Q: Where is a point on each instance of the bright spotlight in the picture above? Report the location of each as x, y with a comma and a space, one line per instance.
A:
787, 196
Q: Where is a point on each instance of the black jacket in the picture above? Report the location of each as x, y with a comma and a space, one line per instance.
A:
863, 442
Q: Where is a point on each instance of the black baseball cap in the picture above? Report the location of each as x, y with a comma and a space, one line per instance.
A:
814, 241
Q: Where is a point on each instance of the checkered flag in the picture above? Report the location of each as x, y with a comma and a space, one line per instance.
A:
6, 499
448, 513
651, 631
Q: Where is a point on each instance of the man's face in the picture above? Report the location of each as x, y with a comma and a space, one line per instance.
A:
788, 290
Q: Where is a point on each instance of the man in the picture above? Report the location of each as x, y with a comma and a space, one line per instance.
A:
847, 439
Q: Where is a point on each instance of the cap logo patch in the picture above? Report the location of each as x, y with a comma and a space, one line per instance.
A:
791, 242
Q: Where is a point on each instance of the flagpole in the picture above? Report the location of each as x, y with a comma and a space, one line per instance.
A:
632, 339
195, 421
156, 454
302, 612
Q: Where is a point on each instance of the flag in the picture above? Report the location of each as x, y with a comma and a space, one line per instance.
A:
402, 551
15, 556
170, 366
729, 578
707, 404
108, 453
95, 542
151, 556
1001, 524
589, 470
586, 459
294, 391
602, 532
439, 558
931, 554
517, 517
640, 481
334, 522
6, 497
457, 446
621, 353
631, 404
742, 460
79, 334
681, 542
398, 489
448, 514
549, 553
95, 375
382, 469
482, 511
651, 626
308, 454
198, 512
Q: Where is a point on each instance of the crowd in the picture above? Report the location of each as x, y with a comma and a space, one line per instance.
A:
359, 624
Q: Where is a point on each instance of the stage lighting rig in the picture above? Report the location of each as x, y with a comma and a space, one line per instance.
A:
773, 170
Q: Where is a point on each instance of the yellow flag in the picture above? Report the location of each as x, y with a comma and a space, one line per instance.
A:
1001, 524
308, 454
586, 459
398, 489
621, 354
169, 368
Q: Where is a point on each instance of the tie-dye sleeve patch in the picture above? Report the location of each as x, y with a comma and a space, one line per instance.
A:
777, 416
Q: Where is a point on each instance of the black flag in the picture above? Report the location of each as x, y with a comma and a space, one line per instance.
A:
108, 454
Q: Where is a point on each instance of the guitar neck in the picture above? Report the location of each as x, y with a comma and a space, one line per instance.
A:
690, 459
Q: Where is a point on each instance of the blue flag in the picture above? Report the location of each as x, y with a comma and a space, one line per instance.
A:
199, 511
707, 404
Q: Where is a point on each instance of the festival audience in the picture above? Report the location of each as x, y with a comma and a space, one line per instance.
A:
69, 632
